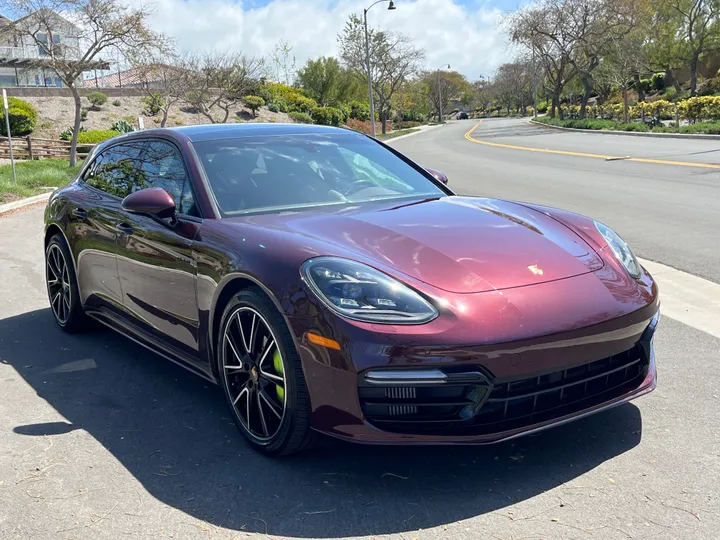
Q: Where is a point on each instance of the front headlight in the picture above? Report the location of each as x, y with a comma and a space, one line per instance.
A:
359, 292
620, 248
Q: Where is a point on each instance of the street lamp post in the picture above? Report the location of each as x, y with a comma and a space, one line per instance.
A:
367, 62
440, 90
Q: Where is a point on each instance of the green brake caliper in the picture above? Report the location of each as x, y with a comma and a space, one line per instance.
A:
278, 365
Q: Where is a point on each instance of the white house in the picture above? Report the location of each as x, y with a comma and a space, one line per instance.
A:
21, 55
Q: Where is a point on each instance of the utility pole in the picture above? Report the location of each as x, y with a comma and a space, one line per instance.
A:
391, 7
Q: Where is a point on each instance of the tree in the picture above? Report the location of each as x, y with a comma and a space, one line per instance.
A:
321, 79
624, 58
512, 86
284, 61
72, 48
597, 26
689, 29
165, 79
545, 28
393, 60
442, 86
411, 102
220, 81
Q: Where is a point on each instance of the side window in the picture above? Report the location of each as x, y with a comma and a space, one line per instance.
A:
115, 171
162, 165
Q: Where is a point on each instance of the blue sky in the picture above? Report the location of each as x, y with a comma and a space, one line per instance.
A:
467, 34
503, 5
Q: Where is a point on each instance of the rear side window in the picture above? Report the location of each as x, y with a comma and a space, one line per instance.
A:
115, 171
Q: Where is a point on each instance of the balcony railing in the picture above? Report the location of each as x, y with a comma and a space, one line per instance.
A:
18, 52
31, 52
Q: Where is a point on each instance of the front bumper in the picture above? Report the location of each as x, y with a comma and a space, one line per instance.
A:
391, 404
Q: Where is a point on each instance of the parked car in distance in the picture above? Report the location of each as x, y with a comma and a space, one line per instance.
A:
462, 115
330, 285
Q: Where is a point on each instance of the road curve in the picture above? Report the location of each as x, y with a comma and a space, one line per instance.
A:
668, 213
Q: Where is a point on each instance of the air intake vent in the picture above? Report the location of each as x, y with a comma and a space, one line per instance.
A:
400, 393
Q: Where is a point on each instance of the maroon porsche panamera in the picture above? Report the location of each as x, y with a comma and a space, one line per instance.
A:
331, 285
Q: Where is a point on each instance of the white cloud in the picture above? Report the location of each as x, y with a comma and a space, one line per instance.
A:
468, 38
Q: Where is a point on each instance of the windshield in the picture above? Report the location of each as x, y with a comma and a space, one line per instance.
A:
283, 172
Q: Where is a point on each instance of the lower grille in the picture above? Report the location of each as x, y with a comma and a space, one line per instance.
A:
468, 403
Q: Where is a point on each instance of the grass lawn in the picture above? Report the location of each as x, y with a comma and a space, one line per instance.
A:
32, 176
397, 133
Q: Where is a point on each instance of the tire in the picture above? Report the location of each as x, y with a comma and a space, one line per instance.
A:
247, 389
67, 310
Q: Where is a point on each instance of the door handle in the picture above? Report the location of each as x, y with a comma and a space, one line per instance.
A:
124, 228
80, 213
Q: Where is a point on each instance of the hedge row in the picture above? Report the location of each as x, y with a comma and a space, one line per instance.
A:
707, 128
693, 109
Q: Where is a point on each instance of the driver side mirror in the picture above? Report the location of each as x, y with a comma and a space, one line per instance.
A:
440, 177
153, 200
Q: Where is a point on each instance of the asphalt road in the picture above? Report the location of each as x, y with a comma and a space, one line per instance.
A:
100, 439
668, 213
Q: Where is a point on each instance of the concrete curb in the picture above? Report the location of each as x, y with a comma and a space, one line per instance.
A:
632, 133
422, 130
4, 208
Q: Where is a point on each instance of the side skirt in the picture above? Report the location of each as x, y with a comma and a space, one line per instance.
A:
140, 337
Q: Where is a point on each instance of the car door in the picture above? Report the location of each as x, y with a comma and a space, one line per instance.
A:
155, 258
93, 212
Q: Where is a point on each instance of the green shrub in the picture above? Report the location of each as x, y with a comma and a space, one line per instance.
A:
253, 103
594, 124
153, 103
408, 124
96, 136
83, 114
67, 134
277, 105
264, 92
23, 117
300, 118
661, 108
345, 111
633, 126
327, 116
710, 128
644, 85
117, 102
97, 99
300, 103
657, 81
121, 126
412, 116
291, 96
359, 110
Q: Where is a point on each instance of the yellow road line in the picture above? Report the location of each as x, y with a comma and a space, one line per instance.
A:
470, 138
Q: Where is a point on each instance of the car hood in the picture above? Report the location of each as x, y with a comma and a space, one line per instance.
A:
457, 244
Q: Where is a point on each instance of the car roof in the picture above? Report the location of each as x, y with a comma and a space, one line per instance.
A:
209, 132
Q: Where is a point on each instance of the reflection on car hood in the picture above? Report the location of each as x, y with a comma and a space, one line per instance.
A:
458, 244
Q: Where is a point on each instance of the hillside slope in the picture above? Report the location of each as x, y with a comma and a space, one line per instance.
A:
55, 114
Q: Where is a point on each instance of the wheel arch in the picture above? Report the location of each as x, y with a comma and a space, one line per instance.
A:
53, 229
229, 287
